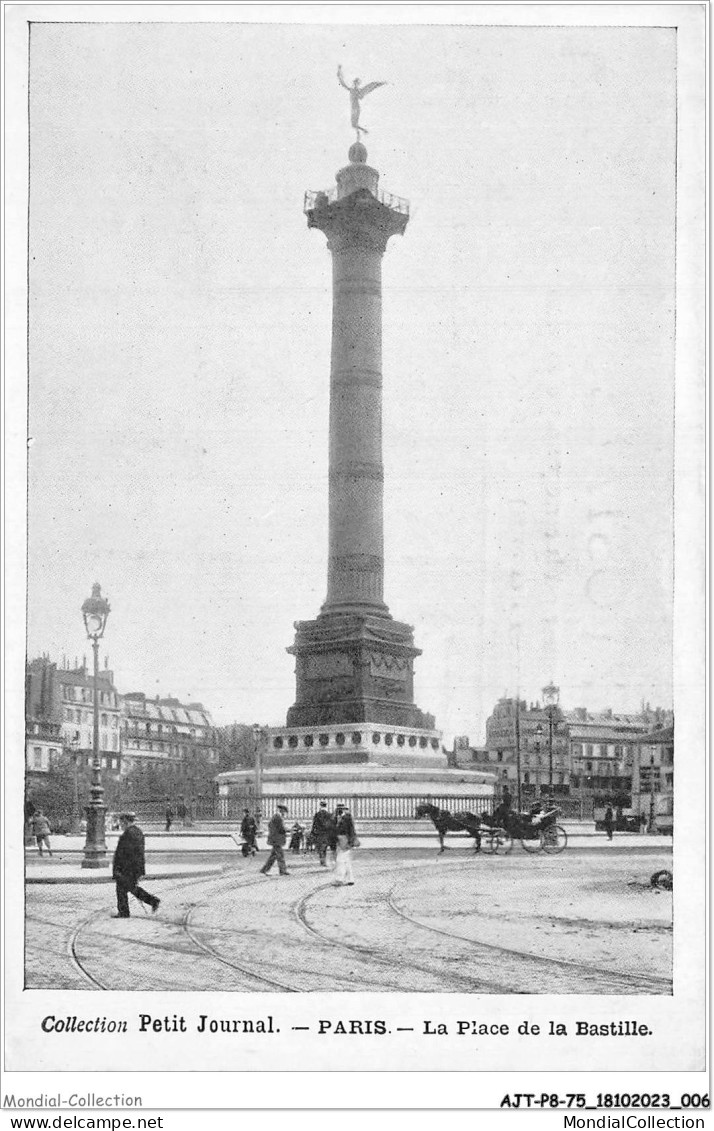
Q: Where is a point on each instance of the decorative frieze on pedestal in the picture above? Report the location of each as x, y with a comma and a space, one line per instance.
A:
353, 669
358, 744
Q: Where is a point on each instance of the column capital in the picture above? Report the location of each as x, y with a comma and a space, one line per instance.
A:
358, 221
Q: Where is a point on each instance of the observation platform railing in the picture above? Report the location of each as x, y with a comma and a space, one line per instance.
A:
321, 198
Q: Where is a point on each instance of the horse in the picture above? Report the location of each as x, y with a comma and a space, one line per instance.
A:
444, 822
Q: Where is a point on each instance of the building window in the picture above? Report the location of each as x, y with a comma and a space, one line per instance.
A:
104, 720
37, 752
589, 753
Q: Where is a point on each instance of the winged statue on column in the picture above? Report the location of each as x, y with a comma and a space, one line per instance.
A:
357, 93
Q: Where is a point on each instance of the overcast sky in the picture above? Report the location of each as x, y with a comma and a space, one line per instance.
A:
180, 345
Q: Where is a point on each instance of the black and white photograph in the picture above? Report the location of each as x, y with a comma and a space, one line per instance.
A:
356, 555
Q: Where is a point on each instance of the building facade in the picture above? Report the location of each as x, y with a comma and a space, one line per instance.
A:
653, 779
539, 734
602, 747
174, 740
65, 696
177, 740
591, 757
43, 745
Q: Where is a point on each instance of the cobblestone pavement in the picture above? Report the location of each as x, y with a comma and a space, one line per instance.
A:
457, 923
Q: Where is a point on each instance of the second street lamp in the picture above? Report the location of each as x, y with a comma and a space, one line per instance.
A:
95, 611
551, 695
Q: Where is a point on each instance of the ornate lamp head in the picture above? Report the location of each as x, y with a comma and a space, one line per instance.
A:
95, 611
551, 695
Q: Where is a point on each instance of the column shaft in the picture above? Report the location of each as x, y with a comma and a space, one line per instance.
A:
356, 538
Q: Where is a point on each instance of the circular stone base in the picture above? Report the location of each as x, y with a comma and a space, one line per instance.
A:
339, 744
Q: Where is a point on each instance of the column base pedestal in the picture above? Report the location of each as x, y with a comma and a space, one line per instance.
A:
355, 668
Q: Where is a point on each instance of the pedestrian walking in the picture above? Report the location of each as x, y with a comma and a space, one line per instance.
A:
169, 816
182, 812
249, 831
297, 834
276, 839
129, 867
346, 841
323, 832
608, 822
41, 831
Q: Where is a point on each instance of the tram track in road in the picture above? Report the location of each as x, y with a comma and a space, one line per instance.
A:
262, 979
75, 959
80, 962
265, 947
618, 982
460, 982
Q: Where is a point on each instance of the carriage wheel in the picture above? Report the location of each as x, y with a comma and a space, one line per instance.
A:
554, 839
532, 845
496, 841
504, 843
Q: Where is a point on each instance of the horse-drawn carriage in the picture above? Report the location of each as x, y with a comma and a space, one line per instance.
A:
536, 831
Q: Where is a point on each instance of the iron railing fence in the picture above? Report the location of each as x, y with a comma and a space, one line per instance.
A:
397, 810
302, 807
319, 198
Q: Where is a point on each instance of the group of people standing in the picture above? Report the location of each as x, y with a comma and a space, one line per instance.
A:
181, 813
330, 832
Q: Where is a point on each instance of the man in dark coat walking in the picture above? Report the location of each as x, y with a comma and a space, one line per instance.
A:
608, 822
129, 867
324, 829
249, 831
276, 839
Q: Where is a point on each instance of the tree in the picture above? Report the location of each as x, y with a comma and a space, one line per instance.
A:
236, 746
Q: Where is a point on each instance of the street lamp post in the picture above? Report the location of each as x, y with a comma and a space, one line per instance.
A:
550, 754
651, 825
539, 736
258, 763
551, 694
76, 811
95, 611
518, 752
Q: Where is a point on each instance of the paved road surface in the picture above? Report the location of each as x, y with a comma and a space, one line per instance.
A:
572, 923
